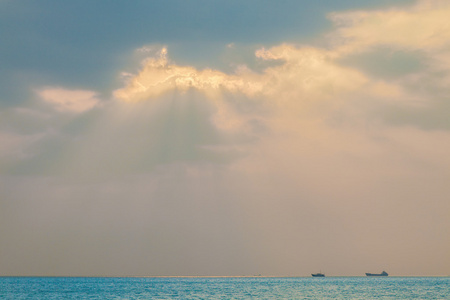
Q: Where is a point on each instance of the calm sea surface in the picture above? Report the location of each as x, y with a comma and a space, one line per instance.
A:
225, 288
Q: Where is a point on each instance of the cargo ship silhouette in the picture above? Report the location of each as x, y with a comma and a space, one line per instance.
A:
381, 274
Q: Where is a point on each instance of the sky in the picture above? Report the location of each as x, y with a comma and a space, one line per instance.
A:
229, 138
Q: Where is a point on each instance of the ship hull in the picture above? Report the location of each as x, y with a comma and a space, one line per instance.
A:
378, 275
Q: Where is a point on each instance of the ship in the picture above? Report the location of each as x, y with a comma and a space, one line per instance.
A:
318, 275
381, 274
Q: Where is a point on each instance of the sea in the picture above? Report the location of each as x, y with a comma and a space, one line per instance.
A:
224, 288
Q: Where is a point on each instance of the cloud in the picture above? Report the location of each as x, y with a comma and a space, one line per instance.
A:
314, 65
408, 49
14, 146
424, 26
159, 76
32, 134
306, 77
311, 87
345, 139
320, 158
73, 101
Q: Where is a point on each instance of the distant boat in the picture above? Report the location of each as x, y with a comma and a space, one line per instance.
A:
381, 274
318, 275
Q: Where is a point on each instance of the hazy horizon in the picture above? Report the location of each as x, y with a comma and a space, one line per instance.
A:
224, 138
